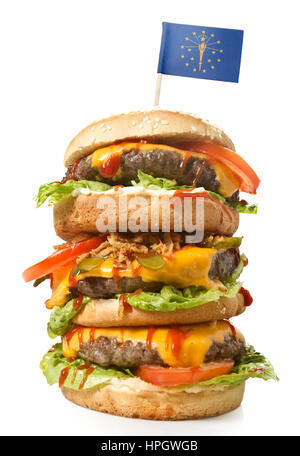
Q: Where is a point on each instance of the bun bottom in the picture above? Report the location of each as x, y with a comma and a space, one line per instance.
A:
155, 403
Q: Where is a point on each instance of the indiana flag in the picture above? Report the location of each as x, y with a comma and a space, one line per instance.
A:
200, 52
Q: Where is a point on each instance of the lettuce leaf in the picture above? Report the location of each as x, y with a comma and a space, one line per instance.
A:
157, 183
171, 298
251, 365
61, 317
56, 191
240, 206
54, 361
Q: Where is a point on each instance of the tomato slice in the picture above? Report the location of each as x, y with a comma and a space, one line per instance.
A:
172, 376
61, 258
249, 181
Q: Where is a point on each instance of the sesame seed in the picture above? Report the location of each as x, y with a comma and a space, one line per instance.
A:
102, 125
194, 128
149, 121
93, 138
109, 127
140, 126
93, 127
164, 122
103, 129
157, 119
155, 125
133, 123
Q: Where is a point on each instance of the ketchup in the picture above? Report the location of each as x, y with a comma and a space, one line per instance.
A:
117, 187
248, 300
92, 336
186, 157
63, 376
79, 330
175, 339
199, 172
123, 301
77, 302
89, 370
233, 330
150, 334
110, 166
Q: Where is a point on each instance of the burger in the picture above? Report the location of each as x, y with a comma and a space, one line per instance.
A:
143, 287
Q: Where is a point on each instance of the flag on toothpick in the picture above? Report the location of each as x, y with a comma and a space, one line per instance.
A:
200, 52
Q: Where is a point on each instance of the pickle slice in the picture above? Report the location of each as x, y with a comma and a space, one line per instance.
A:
151, 261
86, 265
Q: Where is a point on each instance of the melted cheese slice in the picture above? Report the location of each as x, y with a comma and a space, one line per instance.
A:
187, 267
229, 183
184, 346
60, 287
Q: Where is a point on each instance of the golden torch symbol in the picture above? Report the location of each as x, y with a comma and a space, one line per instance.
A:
203, 44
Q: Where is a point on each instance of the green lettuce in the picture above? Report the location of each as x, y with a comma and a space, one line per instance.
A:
54, 361
240, 206
56, 191
61, 317
171, 298
251, 365
157, 183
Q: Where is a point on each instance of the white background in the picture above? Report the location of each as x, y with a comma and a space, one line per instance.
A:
66, 63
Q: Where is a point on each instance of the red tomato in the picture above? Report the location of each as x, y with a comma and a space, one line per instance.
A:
172, 376
60, 259
249, 181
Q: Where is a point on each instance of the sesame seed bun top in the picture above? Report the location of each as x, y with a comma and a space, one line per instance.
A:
156, 125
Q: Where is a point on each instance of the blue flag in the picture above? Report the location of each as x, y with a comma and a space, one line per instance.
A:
200, 52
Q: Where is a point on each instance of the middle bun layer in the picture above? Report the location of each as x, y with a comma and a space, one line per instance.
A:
102, 313
79, 214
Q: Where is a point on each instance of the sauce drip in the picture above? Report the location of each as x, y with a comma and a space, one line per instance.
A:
233, 331
123, 301
92, 336
89, 370
110, 167
77, 330
175, 339
248, 300
117, 187
77, 302
199, 172
150, 334
186, 157
63, 376
74, 168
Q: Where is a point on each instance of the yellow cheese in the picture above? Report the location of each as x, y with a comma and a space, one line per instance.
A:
184, 346
60, 288
228, 181
187, 267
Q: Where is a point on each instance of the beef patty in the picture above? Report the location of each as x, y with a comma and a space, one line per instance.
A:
107, 351
223, 264
158, 162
